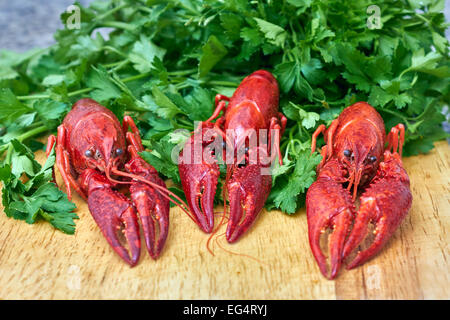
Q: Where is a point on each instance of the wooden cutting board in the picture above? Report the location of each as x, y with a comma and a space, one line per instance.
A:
272, 261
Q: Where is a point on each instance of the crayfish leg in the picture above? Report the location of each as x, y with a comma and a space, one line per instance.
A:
134, 136
63, 162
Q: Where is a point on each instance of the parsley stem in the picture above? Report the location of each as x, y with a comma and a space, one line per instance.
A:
113, 64
142, 8
77, 92
182, 85
8, 154
46, 216
47, 96
185, 122
32, 97
136, 77
223, 83
36, 124
146, 143
32, 133
403, 72
129, 79
283, 146
117, 25
179, 126
104, 15
398, 115
182, 72
422, 18
74, 93
25, 136
120, 53
120, 65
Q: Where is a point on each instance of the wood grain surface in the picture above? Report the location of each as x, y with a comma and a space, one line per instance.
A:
274, 260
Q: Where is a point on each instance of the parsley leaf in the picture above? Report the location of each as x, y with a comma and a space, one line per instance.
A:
144, 53
274, 33
37, 198
213, 52
285, 194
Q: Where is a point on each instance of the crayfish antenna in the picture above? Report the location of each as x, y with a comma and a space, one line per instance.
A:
161, 189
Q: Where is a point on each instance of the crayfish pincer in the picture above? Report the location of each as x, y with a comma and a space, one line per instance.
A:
249, 122
355, 158
95, 155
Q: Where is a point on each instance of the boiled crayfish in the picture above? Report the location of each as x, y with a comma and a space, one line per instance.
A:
355, 157
91, 152
249, 121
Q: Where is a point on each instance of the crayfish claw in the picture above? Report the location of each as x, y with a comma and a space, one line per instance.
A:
248, 190
129, 221
316, 228
329, 206
152, 204
199, 180
153, 210
337, 240
381, 237
385, 203
115, 216
199, 185
116, 224
318, 223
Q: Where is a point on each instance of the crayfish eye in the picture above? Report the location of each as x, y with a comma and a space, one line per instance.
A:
98, 155
347, 153
89, 153
119, 151
372, 159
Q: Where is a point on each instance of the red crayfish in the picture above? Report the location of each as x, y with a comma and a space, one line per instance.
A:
251, 112
91, 149
355, 157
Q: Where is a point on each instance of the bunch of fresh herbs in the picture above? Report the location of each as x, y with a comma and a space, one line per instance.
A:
163, 61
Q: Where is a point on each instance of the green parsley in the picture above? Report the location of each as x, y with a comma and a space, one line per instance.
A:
164, 61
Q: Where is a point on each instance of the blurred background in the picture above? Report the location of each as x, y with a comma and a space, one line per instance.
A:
26, 24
